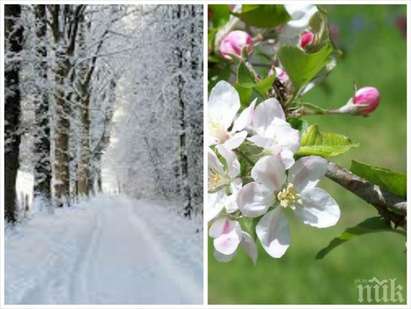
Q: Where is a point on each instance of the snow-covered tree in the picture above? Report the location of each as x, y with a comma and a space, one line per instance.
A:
14, 45
112, 96
164, 108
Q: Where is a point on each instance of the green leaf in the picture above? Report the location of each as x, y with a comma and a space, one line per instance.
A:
299, 124
324, 144
220, 14
248, 225
391, 181
264, 85
244, 77
248, 154
245, 94
217, 72
263, 16
302, 67
368, 226
210, 41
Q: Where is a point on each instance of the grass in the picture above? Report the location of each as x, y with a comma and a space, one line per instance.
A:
375, 54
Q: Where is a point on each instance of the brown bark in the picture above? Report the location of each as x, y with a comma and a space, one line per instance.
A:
62, 128
388, 205
83, 89
65, 46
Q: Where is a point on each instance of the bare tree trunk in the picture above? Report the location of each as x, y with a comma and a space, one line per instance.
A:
85, 179
183, 126
64, 25
85, 152
14, 39
83, 168
62, 129
42, 165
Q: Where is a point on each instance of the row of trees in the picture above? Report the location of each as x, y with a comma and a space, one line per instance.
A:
164, 110
50, 65
69, 67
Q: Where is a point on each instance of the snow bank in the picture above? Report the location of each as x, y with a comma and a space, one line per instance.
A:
108, 250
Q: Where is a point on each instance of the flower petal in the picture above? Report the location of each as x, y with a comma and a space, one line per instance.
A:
265, 113
245, 118
223, 104
254, 199
300, 14
284, 134
227, 243
211, 140
287, 157
223, 258
231, 204
307, 172
249, 246
233, 165
215, 205
261, 141
270, 172
223, 225
214, 163
319, 209
273, 232
236, 140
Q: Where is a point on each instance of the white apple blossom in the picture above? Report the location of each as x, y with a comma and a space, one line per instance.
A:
295, 191
227, 237
273, 132
224, 182
223, 106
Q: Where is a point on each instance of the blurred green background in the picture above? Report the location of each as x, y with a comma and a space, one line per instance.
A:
374, 55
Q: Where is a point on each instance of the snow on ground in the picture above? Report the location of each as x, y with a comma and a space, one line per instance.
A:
108, 250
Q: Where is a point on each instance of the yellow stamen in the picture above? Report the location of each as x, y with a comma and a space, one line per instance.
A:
215, 181
288, 196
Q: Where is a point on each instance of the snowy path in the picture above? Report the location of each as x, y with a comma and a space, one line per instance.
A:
111, 251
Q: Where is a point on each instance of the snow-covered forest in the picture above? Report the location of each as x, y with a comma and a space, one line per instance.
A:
103, 134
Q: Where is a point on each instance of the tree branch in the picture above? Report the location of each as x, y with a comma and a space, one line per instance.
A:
391, 207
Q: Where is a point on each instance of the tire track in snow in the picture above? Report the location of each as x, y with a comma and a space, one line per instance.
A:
187, 286
51, 280
79, 289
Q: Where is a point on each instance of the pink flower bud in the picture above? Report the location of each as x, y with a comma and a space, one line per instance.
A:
234, 42
306, 39
282, 75
365, 101
368, 98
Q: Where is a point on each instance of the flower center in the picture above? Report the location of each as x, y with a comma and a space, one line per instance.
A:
218, 132
215, 181
288, 196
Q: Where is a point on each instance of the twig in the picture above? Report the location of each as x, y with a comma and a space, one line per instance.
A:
252, 71
391, 207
